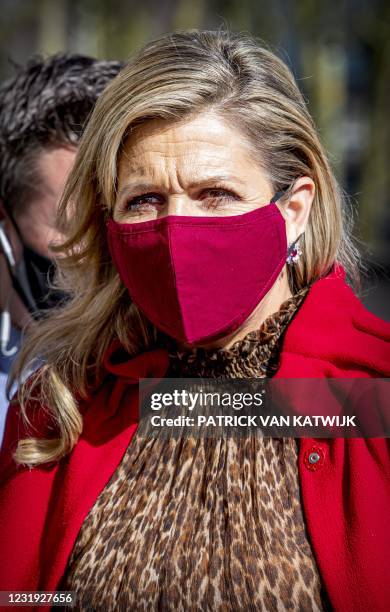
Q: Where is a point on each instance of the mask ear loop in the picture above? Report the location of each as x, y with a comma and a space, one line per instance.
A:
6, 248
277, 196
5, 317
294, 251
5, 334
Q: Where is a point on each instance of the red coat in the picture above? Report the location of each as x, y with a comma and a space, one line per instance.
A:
346, 495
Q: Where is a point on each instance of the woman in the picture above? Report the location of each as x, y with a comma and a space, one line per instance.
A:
205, 238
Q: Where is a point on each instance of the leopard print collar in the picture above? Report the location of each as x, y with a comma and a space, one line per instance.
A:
253, 356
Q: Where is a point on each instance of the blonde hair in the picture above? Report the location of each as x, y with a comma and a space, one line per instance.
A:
171, 78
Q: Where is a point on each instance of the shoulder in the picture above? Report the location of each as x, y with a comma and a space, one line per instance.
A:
102, 411
35, 420
332, 325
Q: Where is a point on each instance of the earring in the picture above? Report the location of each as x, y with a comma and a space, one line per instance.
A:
294, 252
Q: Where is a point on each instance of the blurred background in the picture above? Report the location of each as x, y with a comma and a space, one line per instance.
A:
339, 52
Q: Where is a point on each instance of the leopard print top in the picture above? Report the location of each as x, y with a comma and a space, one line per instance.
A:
202, 524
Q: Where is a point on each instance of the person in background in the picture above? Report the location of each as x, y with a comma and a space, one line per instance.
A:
43, 109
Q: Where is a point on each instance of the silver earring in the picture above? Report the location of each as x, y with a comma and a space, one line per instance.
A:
294, 252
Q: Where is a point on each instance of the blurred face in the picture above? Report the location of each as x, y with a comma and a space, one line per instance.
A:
37, 221
198, 167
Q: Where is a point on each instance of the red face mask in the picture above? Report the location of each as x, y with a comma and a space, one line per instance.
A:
199, 278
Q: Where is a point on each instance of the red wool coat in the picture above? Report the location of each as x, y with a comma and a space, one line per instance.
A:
345, 495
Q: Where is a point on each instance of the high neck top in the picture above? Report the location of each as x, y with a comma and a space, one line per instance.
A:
255, 355
202, 524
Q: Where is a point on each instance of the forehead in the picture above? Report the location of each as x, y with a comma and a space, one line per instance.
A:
200, 142
54, 166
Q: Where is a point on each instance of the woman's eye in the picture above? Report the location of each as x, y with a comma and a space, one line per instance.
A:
145, 200
215, 197
210, 198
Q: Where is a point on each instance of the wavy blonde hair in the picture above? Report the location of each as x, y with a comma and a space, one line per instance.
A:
171, 78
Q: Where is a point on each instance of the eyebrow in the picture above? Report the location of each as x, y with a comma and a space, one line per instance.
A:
146, 186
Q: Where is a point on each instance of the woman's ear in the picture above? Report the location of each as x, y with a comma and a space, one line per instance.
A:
296, 208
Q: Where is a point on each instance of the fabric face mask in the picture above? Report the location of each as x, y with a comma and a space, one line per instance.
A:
199, 278
32, 279
40, 274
